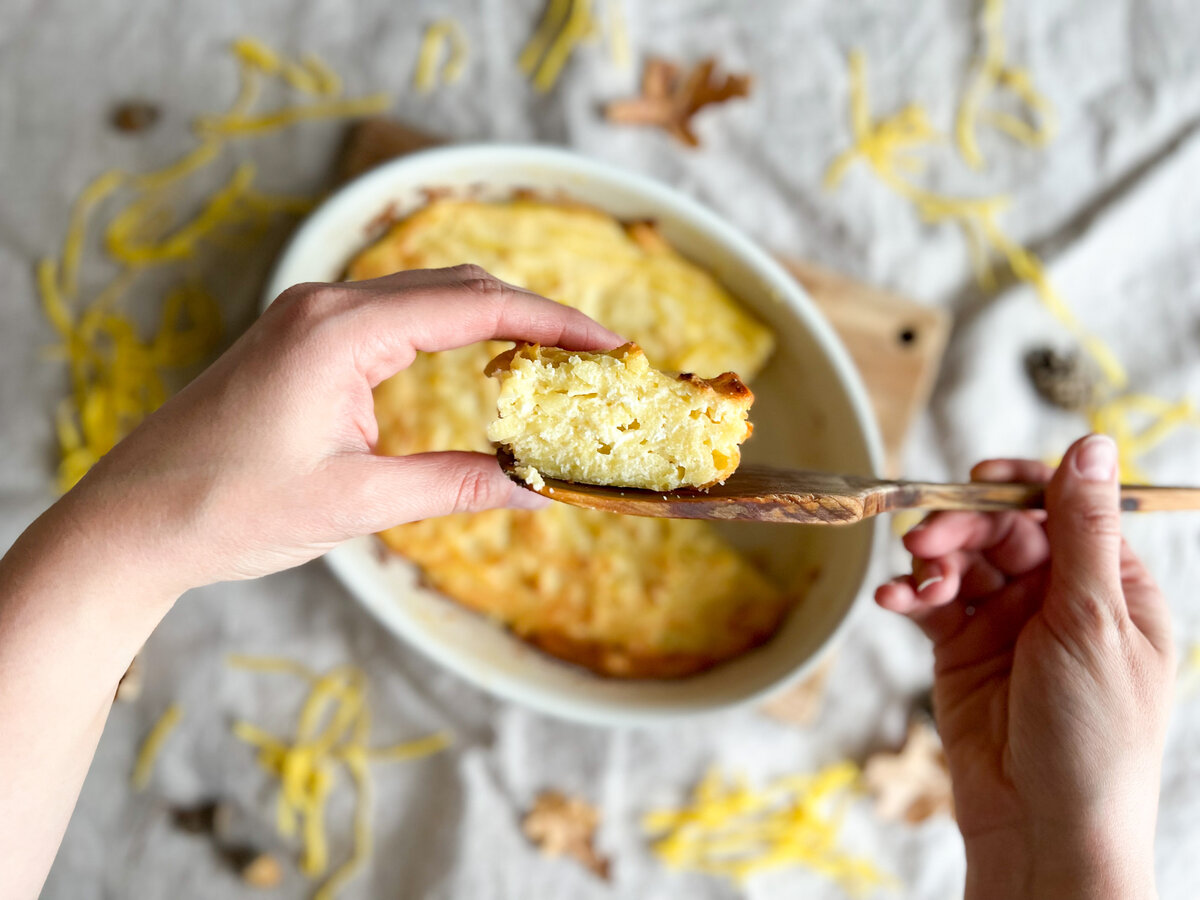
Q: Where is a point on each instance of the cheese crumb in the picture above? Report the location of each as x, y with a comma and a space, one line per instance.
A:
530, 476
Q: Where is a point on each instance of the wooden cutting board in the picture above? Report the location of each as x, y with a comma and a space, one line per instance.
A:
896, 344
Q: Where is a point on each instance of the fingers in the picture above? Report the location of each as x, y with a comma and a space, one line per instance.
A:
379, 492
960, 576
968, 556
1029, 470
399, 314
1013, 542
926, 602
1084, 528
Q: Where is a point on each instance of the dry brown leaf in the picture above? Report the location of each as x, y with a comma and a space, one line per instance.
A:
263, 871
670, 100
566, 826
914, 784
801, 703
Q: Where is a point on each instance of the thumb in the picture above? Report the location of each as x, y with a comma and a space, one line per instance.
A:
392, 490
1084, 527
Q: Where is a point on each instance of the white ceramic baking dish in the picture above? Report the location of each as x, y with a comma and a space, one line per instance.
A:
811, 411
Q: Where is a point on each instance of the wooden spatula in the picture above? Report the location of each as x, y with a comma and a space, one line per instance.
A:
765, 494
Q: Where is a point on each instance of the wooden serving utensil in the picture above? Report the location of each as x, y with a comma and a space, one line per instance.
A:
766, 494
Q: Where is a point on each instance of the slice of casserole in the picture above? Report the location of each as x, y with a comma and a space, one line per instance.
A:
610, 418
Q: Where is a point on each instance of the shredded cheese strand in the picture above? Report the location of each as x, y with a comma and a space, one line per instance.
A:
425, 746
732, 830
143, 768
240, 125
329, 84
992, 72
333, 731
437, 36
618, 35
255, 53
91, 196
550, 23
118, 238
576, 29
298, 76
280, 664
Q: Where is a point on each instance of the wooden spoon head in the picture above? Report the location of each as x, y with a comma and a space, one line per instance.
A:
752, 494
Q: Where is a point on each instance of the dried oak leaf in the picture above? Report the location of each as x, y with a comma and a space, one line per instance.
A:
914, 784
566, 826
670, 99
259, 870
801, 703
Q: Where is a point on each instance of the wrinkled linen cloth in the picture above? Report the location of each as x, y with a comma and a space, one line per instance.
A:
1111, 205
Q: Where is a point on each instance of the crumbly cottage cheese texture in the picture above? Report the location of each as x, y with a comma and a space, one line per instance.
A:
625, 597
609, 418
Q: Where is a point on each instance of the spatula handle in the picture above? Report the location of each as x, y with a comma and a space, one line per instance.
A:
988, 496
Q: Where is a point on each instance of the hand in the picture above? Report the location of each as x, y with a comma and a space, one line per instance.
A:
1053, 677
265, 461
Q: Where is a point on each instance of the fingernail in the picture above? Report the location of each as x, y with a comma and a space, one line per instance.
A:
932, 573
1096, 459
929, 582
523, 499
920, 526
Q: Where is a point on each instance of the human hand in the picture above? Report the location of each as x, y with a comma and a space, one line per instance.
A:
1053, 675
261, 463
265, 460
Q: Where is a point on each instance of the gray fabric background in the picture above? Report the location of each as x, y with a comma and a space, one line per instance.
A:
1112, 205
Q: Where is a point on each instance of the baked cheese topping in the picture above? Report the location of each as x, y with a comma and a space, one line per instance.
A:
623, 596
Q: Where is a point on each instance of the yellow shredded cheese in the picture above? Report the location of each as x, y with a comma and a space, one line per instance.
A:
143, 768
328, 109
91, 196
551, 21
329, 84
300, 77
257, 54
565, 25
437, 36
332, 733
121, 244
887, 146
993, 71
733, 830
618, 35
116, 376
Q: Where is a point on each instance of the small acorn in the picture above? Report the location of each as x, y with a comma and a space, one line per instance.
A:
134, 116
1065, 380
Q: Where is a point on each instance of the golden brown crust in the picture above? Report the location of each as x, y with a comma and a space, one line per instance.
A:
749, 624
727, 384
